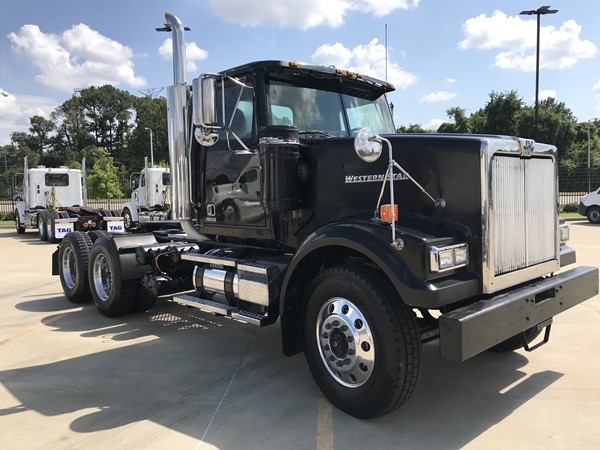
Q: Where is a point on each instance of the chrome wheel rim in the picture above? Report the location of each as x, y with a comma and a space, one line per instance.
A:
595, 215
69, 267
40, 224
102, 277
127, 221
345, 342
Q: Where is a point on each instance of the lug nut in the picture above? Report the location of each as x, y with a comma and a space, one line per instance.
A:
327, 348
351, 351
328, 326
325, 335
336, 323
347, 361
332, 358
344, 327
339, 363
349, 339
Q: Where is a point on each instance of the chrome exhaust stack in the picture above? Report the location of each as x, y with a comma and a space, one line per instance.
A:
180, 131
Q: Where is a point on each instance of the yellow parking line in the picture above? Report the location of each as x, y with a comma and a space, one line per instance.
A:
32, 328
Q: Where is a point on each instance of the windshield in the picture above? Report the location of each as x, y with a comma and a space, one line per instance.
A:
325, 113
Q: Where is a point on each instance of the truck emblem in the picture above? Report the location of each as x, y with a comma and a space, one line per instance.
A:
378, 178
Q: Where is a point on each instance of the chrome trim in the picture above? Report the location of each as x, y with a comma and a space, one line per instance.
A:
69, 267
537, 214
345, 342
204, 259
102, 277
213, 280
434, 253
253, 284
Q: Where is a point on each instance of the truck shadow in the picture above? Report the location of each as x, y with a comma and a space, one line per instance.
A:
172, 366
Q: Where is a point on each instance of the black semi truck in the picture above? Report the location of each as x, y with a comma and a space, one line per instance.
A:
299, 202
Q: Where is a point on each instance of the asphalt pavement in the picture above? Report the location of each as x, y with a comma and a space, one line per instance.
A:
178, 378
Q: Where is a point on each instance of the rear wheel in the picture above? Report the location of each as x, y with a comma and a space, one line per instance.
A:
112, 295
41, 220
73, 260
593, 214
51, 217
18, 225
362, 343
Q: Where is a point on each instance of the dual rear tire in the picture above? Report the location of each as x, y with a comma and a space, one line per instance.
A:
89, 269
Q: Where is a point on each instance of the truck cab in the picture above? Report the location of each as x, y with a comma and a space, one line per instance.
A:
150, 197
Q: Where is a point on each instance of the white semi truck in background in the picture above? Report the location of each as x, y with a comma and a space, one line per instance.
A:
54, 201
150, 199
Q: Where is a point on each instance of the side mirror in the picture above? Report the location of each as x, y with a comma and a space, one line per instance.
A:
204, 101
367, 145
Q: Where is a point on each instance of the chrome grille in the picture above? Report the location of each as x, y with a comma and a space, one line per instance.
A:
523, 206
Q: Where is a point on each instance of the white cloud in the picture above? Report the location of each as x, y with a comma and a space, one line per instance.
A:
16, 110
441, 96
77, 58
369, 59
434, 124
559, 48
192, 51
303, 14
547, 93
450, 80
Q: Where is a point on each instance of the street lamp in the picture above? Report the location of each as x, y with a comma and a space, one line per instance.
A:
589, 154
542, 10
151, 147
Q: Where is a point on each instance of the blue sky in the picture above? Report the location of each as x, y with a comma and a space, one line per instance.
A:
440, 54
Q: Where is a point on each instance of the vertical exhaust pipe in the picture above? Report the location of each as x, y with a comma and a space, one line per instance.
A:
179, 131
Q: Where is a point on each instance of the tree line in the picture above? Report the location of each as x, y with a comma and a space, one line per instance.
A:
107, 126
506, 113
110, 128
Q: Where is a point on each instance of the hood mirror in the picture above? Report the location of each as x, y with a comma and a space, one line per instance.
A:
367, 145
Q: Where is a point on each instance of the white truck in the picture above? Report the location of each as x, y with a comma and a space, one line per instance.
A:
54, 202
150, 199
589, 206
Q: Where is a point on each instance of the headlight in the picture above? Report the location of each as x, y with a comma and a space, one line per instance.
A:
447, 258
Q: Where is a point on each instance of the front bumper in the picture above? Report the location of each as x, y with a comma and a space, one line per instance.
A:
472, 329
582, 209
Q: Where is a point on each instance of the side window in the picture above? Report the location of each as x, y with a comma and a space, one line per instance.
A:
56, 179
239, 109
143, 180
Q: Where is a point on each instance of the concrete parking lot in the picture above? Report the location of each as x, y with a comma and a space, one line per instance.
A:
178, 378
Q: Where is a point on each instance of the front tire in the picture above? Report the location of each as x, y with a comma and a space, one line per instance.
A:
112, 295
593, 215
127, 219
73, 260
362, 343
18, 225
516, 342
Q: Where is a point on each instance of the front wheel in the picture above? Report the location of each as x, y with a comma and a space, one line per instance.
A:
127, 219
593, 214
18, 225
362, 343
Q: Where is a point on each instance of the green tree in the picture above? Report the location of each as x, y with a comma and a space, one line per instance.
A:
411, 128
461, 121
103, 181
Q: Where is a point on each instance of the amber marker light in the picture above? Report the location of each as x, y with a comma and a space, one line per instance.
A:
386, 213
293, 64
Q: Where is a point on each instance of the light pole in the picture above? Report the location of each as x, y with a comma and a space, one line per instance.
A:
589, 153
151, 147
542, 10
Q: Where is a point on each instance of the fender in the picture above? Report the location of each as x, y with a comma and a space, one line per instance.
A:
125, 246
373, 241
20, 209
133, 207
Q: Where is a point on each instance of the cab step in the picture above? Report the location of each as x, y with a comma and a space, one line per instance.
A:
225, 310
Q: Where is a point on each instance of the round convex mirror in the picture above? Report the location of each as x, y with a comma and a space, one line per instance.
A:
366, 145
